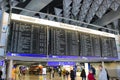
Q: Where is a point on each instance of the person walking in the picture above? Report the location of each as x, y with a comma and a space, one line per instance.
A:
90, 75
102, 73
53, 72
1, 73
72, 75
59, 72
67, 74
64, 73
83, 74
93, 70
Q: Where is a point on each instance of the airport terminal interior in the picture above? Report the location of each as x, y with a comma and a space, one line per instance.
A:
59, 40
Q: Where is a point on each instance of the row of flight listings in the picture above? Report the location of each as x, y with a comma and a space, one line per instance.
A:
38, 39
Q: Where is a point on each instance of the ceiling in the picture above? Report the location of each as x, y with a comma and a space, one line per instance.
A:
104, 13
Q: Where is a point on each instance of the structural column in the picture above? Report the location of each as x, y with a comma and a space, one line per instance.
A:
87, 68
117, 38
9, 74
103, 64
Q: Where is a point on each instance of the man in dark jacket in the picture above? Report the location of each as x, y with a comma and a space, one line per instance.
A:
1, 74
93, 70
72, 75
83, 74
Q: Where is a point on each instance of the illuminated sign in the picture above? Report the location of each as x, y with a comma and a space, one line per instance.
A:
60, 63
1, 62
27, 55
59, 25
59, 57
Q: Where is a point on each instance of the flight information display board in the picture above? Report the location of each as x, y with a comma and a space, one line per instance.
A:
28, 38
113, 47
86, 44
96, 45
39, 39
72, 43
57, 41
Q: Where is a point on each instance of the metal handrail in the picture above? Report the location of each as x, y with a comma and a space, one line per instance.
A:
63, 18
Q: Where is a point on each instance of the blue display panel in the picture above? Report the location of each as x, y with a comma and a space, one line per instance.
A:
27, 55
1, 62
60, 63
88, 58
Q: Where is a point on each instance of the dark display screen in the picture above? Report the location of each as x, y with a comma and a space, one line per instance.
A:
39, 39
96, 45
26, 38
57, 41
72, 42
86, 44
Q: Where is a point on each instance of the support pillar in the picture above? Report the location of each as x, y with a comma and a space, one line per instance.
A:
117, 38
103, 64
9, 74
87, 69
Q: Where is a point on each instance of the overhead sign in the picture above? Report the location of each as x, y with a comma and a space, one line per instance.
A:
59, 25
60, 63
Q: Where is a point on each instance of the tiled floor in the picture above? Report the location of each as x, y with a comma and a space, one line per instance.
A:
44, 77
41, 77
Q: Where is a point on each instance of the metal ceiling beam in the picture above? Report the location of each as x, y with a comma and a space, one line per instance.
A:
103, 8
117, 1
115, 23
84, 9
92, 10
108, 18
35, 5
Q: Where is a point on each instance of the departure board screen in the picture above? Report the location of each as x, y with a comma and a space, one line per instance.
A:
96, 45
106, 47
113, 47
58, 41
40, 39
72, 43
86, 43
28, 38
